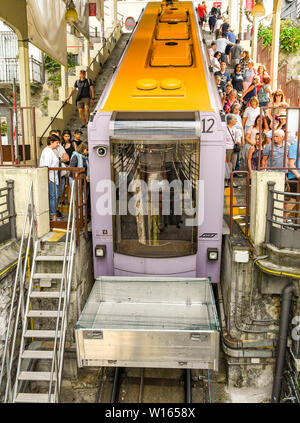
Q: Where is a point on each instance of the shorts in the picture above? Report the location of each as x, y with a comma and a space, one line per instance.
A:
82, 102
293, 189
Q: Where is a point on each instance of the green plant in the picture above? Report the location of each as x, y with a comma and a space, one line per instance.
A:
51, 65
289, 35
266, 34
45, 102
3, 128
290, 39
55, 79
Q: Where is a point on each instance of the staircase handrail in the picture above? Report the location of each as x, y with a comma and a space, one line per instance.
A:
20, 278
66, 280
52, 120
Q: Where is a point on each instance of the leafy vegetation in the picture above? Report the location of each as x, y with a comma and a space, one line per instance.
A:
3, 128
54, 69
45, 102
289, 35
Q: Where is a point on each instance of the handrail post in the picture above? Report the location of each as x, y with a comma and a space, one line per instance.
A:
270, 206
11, 208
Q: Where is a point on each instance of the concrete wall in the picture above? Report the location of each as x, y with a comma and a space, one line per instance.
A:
22, 178
259, 200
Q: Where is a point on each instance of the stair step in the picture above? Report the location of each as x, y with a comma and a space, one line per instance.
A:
41, 376
43, 313
41, 334
51, 258
38, 354
47, 276
34, 398
45, 294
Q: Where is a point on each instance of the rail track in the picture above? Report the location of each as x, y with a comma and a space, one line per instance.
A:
123, 385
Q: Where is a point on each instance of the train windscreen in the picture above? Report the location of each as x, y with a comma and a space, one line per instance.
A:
156, 197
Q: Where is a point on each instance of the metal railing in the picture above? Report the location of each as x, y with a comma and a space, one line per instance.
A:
13, 148
65, 287
283, 217
16, 314
62, 193
9, 69
7, 213
243, 205
106, 40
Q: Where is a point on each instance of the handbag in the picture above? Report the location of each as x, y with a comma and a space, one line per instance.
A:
236, 148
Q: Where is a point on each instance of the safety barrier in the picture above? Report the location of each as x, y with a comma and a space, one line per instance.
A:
244, 225
13, 149
61, 197
283, 217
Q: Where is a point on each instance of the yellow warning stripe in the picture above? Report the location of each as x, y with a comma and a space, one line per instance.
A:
56, 237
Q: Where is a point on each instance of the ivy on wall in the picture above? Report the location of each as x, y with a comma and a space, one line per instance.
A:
54, 69
289, 35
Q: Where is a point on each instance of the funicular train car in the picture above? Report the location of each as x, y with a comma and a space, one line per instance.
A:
157, 152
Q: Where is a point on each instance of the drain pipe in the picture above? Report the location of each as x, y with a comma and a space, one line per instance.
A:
287, 294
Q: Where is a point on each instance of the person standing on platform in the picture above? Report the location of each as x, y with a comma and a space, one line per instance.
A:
77, 141
225, 77
85, 96
235, 53
201, 14
221, 45
50, 159
212, 22
211, 51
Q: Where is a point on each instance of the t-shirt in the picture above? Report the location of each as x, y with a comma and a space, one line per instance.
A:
278, 154
211, 53
59, 151
248, 77
215, 62
201, 10
50, 159
237, 81
77, 142
219, 23
293, 155
231, 37
225, 77
232, 137
225, 28
251, 114
236, 50
252, 132
221, 44
83, 88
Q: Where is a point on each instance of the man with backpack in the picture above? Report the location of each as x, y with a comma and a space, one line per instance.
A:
85, 96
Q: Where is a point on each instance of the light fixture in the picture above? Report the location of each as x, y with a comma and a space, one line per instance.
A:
71, 13
212, 254
100, 251
258, 9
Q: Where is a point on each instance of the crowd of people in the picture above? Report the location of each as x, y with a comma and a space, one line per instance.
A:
63, 152
244, 91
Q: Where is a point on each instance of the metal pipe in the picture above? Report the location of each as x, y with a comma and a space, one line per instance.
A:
188, 387
287, 294
116, 386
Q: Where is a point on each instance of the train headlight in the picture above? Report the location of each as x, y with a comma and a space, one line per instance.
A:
100, 251
212, 254
102, 150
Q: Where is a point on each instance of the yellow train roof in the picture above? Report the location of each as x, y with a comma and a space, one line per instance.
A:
163, 67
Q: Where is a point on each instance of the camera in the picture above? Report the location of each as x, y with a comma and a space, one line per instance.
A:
101, 151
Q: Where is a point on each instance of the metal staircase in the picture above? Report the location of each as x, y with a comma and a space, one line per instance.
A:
42, 313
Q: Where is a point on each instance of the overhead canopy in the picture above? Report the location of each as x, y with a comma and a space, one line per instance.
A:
47, 27
82, 8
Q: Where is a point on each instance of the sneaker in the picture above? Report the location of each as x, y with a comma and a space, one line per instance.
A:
235, 185
58, 213
83, 126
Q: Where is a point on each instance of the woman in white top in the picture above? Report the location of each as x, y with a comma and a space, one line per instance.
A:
250, 114
233, 143
215, 61
50, 159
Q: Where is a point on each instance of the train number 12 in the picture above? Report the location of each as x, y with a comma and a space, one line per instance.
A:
207, 125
